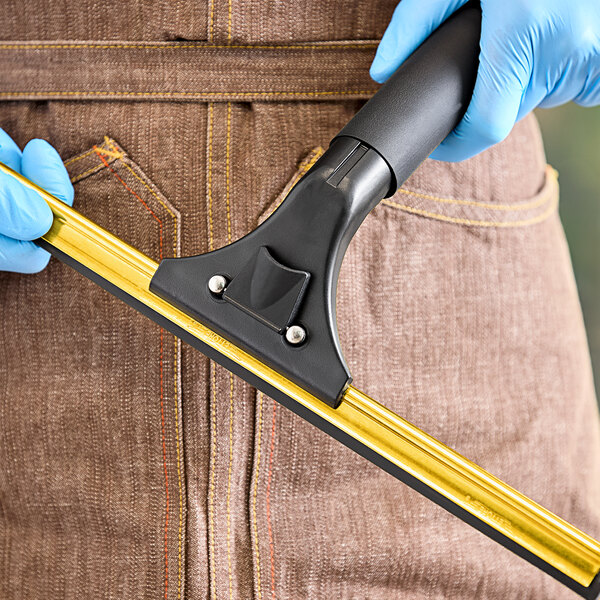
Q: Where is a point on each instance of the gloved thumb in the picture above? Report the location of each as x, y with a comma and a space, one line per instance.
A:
24, 215
42, 164
412, 23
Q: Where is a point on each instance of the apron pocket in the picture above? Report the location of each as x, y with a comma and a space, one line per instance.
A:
96, 444
139, 369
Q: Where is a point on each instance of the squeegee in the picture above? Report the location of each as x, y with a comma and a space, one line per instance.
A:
264, 305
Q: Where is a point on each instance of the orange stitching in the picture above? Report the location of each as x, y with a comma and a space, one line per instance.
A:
162, 412
268, 502
164, 447
165, 206
112, 153
176, 373
254, 495
91, 151
176, 394
190, 94
106, 164
115, 152
367, 44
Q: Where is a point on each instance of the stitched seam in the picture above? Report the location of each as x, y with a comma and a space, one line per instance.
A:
305, 167
114, 151
505, 207
98, 151
95, 168
180, 528
255, 493
164, 448
165, 206
230, 468
210, 150
79, 177
308, 46
175, 378
211, 497
190, 94
213, 403
115, 154
460, 221
76, 158
227, 179
227, 163
211, 27
268, 504
229, 21
161, 367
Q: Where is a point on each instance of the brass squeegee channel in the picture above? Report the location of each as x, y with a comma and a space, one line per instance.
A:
467, 485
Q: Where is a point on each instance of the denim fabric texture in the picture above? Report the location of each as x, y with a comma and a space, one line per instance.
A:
131, 466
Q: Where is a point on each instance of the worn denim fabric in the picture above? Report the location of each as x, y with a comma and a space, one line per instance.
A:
133, 467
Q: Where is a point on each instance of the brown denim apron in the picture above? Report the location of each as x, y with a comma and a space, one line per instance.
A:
131, 466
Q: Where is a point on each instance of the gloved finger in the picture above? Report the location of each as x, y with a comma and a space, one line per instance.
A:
21, 257
491, 114
10, 154
412, 22
24, 214
591, 95
42, 164
532, 98
563, 90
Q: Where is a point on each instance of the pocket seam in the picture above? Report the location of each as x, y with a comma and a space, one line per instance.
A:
481, 214
110, 152
107, 149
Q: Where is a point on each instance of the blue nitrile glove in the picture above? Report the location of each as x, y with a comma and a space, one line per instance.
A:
24, 215
533, 53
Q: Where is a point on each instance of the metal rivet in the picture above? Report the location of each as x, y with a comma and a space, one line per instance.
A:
295, 334
217, 284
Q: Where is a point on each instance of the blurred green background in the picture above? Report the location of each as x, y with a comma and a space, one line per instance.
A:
572, 141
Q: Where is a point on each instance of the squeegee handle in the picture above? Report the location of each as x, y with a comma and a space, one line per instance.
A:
424, 99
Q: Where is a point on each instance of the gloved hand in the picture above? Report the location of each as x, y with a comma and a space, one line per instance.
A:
24, 215
533, 53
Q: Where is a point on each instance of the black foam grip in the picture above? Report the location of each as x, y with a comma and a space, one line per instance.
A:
424, 99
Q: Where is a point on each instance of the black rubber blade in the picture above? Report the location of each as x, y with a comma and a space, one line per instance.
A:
592, 592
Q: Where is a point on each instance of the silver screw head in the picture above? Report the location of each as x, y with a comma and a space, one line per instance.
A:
217, 284
295, 334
